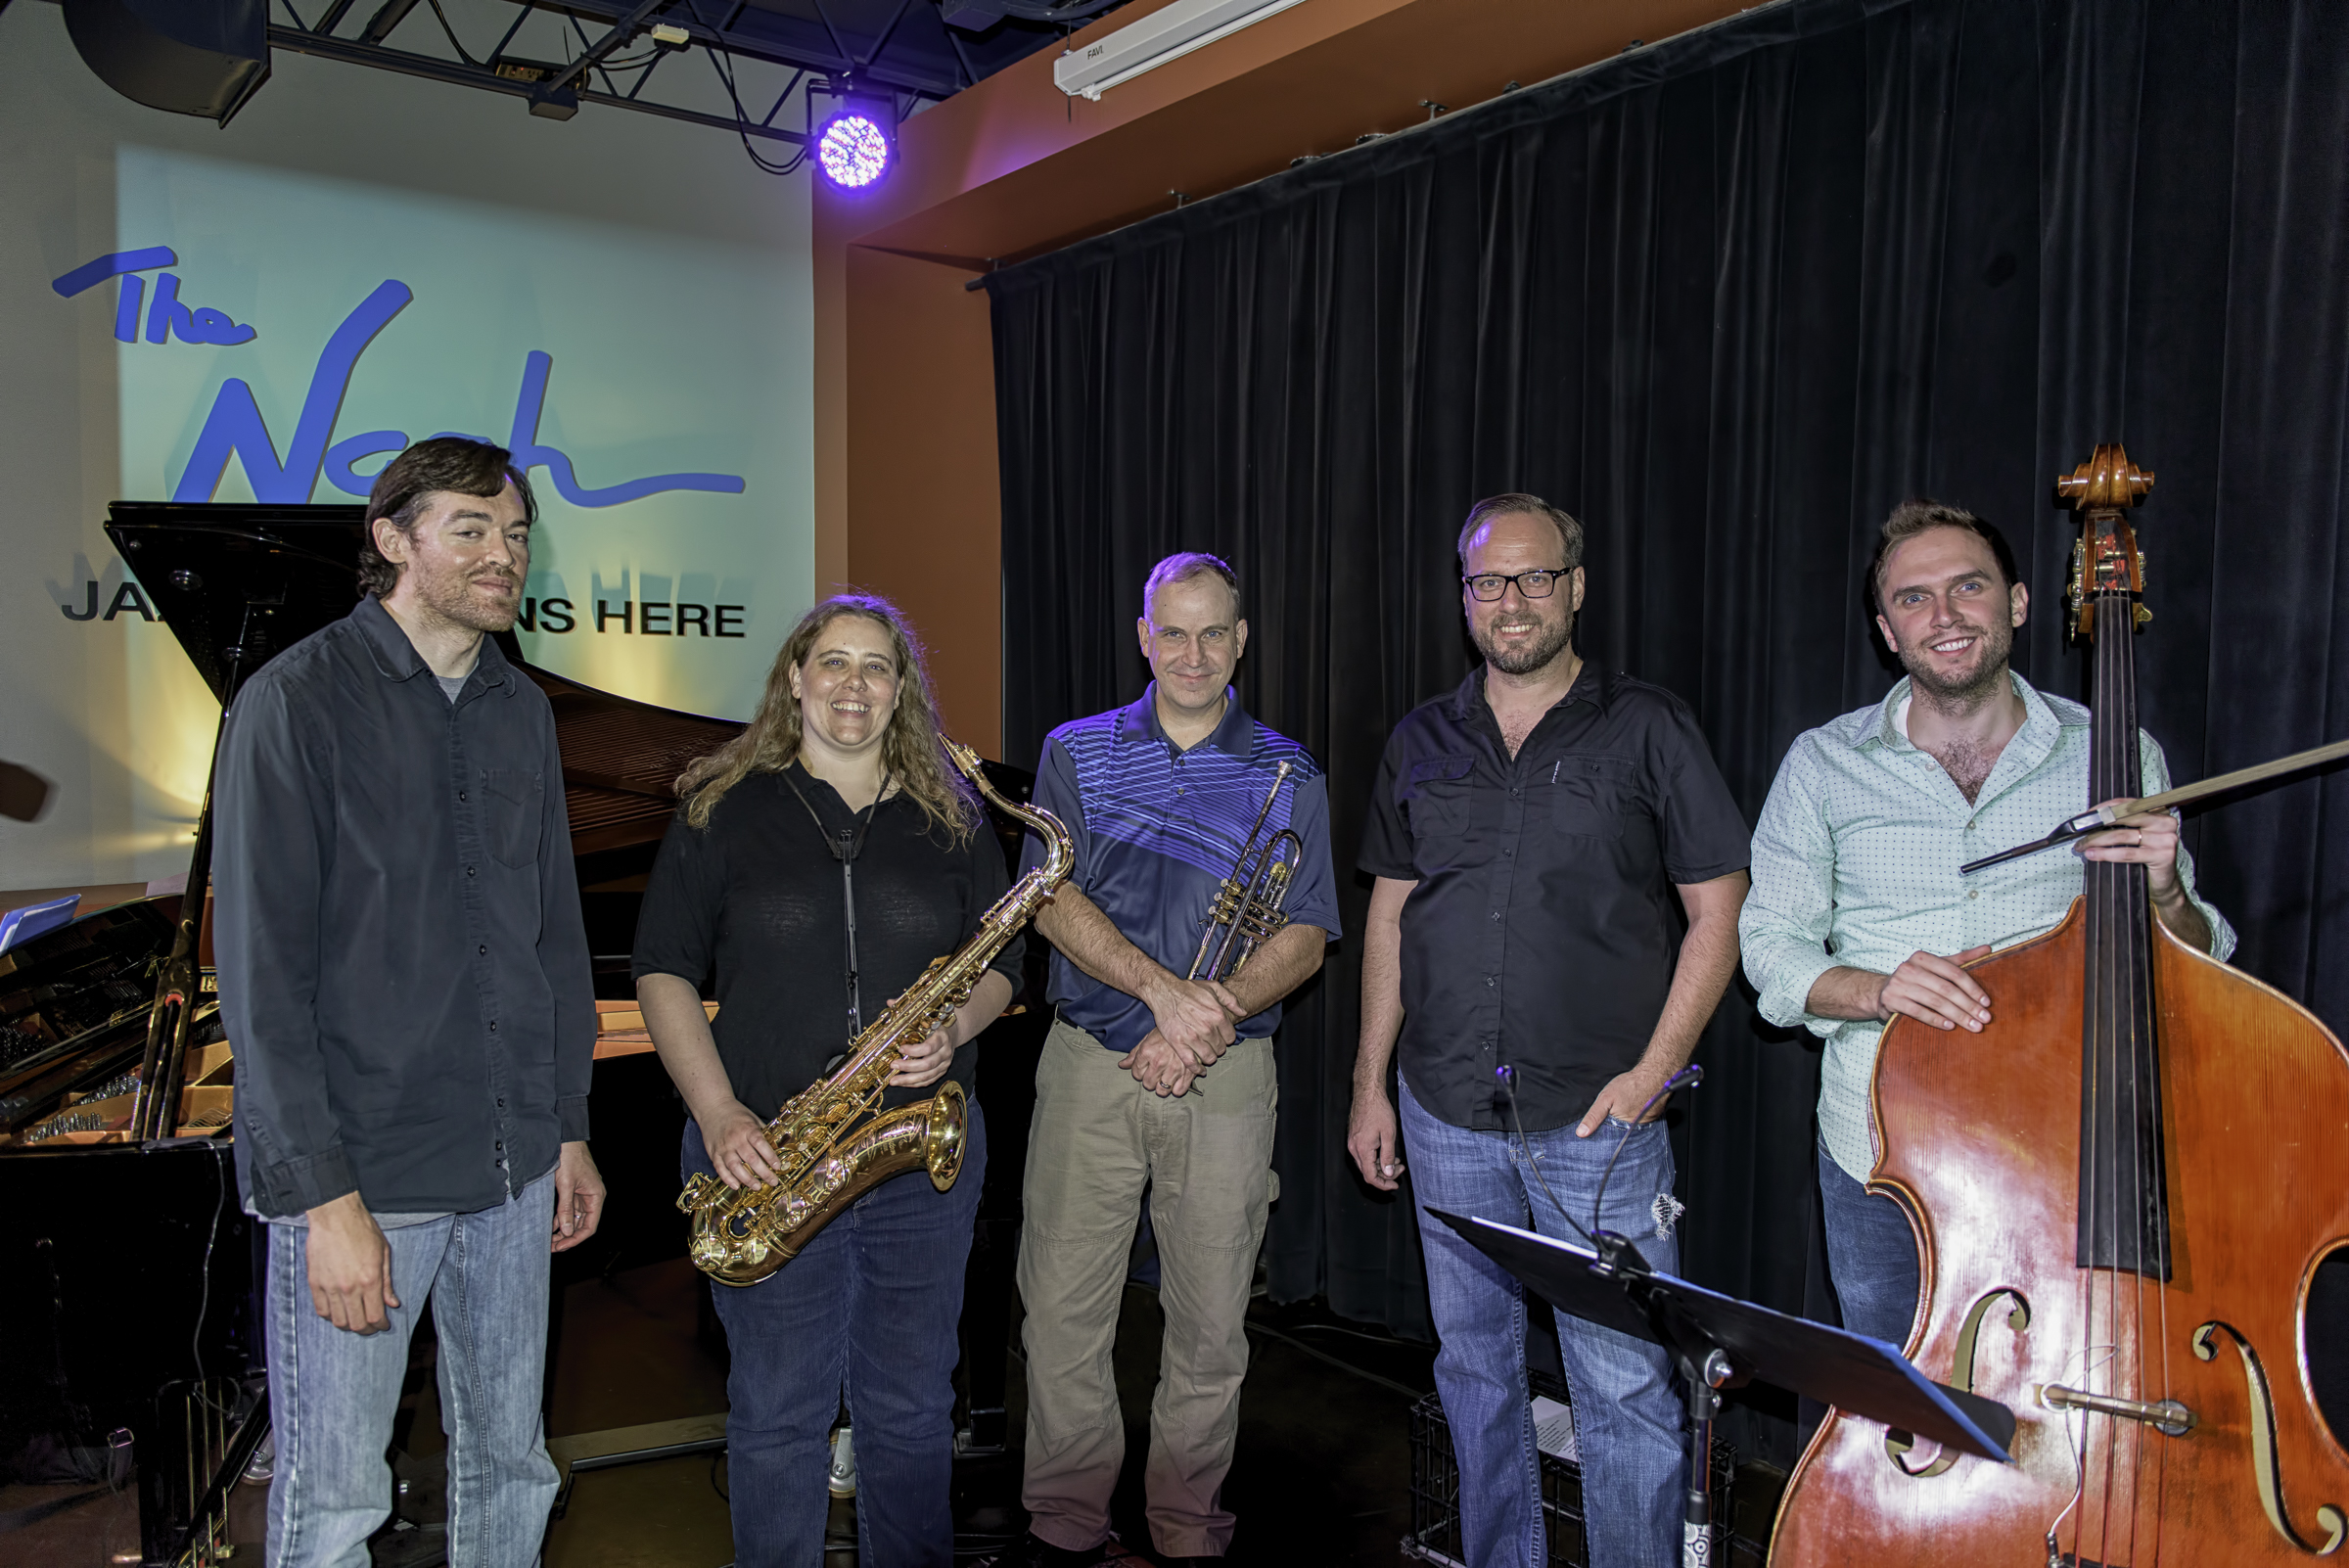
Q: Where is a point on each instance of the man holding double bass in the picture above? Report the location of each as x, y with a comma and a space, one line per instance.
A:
1857, 910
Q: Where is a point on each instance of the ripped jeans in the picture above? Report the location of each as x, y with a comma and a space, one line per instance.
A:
1627, 1414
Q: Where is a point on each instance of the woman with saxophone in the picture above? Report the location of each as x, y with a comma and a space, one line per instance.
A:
817, 866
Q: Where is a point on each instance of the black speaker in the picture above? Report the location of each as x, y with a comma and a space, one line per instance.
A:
191, 57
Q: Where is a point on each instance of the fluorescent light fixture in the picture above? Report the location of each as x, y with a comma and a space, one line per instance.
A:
1161, 36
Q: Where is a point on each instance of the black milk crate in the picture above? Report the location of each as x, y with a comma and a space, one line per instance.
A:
1434, 1536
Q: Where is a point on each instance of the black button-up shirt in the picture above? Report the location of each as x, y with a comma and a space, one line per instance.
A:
403, 969
1542, 931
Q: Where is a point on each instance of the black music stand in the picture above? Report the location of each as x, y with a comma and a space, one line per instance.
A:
1721, 1342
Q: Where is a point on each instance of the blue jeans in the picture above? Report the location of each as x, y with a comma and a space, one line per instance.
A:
333, 1392
1871, 1255
869, 1310
1626, 1416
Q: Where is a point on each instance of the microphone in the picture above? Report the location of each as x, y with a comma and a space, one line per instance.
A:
1507, 1075
1687, 1077
1609, 1246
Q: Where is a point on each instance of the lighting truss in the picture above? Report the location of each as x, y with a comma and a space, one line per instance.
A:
611, 52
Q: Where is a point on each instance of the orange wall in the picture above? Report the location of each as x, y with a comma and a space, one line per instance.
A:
906, 497
926, 527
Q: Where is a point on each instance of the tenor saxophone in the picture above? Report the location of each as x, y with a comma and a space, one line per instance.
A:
833, 1141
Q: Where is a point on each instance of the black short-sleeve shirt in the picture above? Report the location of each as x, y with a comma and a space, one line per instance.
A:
1542, 931
755, 897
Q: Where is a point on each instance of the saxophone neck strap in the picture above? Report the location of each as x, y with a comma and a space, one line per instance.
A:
845, 848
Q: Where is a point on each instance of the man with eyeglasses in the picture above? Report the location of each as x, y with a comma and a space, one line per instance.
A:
1527, 834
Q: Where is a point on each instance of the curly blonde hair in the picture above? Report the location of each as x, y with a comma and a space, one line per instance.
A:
909, 750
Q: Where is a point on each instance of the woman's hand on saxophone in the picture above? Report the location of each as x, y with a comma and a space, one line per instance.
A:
738, 1148
680, 1030
923, 1063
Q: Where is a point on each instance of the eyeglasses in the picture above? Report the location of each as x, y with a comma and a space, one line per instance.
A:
1491, 585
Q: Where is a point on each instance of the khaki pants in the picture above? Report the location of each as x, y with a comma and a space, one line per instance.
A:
1098, 1138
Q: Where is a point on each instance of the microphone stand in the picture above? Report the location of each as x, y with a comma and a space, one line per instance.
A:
1719, 1342
1705, 1371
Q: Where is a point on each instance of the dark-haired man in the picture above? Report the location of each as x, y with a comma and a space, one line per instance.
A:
1151, 1079
404, 972
1530, 832
1857, 910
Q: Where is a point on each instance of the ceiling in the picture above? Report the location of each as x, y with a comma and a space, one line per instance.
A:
768, 68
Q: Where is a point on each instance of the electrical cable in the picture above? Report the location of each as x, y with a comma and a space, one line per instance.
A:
1019, 1355
1331, 1360
741, 121
1687, 1077
587, 46
1351, 1333
1508, 1081
1319, 1355
203, 1302
452, 34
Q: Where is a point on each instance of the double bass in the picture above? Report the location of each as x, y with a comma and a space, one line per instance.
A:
2121, 1189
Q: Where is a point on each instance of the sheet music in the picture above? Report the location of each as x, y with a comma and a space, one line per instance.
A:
1554, 1429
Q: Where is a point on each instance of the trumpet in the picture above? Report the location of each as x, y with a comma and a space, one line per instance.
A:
1247, 911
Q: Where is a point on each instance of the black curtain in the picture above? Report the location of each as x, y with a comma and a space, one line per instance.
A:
1729, 298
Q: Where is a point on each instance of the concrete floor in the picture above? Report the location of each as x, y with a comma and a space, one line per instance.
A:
1320, 1475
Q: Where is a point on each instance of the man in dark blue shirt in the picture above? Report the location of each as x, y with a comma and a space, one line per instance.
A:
1150, 1079
404, 973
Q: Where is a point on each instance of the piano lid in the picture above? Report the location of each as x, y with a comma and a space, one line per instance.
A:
250, 580
620, 760
239, 584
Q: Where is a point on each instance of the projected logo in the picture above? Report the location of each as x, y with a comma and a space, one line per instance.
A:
235, 430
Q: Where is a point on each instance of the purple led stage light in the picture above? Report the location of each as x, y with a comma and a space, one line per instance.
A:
851, 151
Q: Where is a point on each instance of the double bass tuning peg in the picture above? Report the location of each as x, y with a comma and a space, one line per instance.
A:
2107, 479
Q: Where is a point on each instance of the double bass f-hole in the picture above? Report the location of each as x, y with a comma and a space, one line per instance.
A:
2267, 1474
1897, 1444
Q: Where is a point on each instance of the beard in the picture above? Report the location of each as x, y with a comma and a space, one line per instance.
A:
1548, 642
449, 593
1987, 678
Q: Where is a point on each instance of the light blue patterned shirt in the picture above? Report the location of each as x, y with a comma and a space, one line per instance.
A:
1856, 864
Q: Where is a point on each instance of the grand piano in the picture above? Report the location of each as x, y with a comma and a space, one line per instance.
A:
128, 1300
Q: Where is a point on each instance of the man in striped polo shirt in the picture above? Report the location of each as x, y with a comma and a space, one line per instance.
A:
1152, 1080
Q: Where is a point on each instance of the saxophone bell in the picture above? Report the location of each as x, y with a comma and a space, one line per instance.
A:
1247, 912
